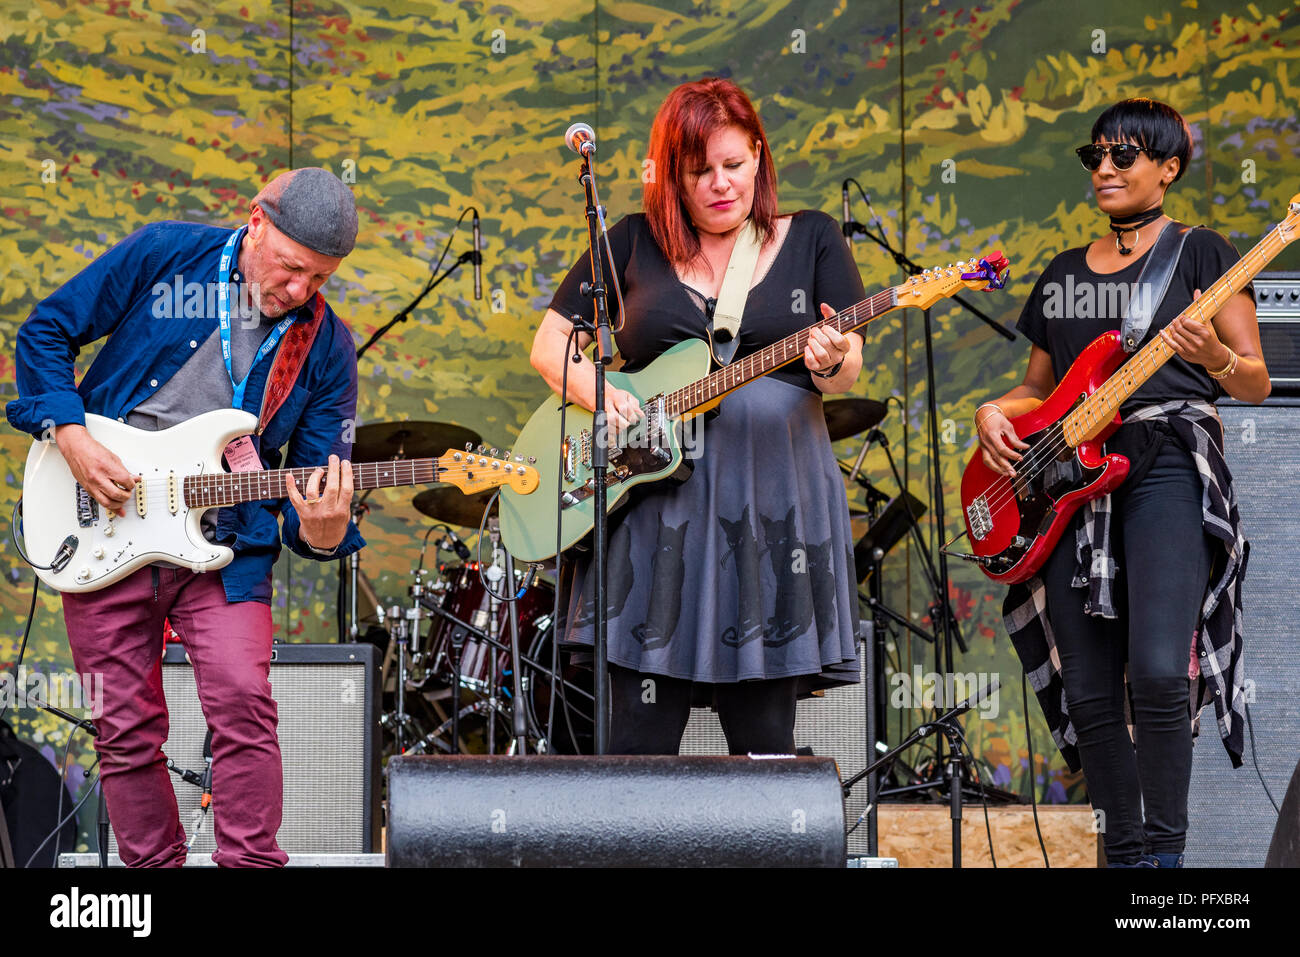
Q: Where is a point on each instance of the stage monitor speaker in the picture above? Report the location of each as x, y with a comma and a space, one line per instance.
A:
328, 702
832, 725
614, 811
1285, 849
1231, 819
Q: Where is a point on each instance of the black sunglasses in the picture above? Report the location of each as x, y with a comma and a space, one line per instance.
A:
1122, 155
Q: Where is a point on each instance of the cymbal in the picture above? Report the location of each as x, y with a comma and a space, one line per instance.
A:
449, 504
845, 417
409, 440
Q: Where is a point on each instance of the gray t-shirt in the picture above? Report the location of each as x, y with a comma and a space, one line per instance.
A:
201, 385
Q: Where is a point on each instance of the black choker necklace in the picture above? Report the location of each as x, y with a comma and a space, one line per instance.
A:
1150, 216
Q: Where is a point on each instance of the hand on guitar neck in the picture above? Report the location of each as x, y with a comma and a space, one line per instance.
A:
323, 514
95, 467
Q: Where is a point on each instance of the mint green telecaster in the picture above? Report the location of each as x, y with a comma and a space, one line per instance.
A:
673, 390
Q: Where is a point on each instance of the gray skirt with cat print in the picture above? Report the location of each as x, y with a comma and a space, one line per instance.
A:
744, 571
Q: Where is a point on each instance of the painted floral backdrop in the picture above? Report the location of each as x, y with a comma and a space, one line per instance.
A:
959, 121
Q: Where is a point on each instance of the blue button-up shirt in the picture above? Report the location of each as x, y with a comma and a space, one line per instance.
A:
126, 294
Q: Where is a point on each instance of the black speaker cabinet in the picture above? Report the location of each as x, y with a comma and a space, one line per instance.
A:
1231, 819
613, 811
328, 719
832, 725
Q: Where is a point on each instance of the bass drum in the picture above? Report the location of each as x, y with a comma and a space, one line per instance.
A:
483, 665
574, 725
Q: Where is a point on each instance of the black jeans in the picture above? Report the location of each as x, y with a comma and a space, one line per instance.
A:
650, 713
1165, 561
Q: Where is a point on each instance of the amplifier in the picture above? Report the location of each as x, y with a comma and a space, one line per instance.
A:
1277, 307
328, 703
1231, 819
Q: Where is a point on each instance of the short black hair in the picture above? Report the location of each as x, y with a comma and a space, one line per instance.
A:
1153, 125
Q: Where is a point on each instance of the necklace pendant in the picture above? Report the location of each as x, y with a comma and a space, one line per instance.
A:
1119, 244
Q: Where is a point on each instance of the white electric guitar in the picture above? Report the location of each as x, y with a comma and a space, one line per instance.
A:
89, 546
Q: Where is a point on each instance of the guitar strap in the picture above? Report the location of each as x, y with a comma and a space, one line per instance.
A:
289, 361
1156, 273
724, 329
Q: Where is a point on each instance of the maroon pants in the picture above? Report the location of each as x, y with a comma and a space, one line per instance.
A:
118, 632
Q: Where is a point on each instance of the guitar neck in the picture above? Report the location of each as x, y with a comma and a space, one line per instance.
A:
733, 376
231, 488
1100, 408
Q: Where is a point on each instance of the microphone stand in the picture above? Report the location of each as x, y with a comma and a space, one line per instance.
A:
466, 257
604, 355
945, 625
349, 566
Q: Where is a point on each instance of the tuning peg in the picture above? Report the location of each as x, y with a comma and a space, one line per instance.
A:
494, 453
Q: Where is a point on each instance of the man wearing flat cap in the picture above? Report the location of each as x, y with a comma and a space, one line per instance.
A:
179, 344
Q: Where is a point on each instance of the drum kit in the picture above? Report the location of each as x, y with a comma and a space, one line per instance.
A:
469, 657
466, 628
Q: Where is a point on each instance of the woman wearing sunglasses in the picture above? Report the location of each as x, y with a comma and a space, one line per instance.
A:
1125, 588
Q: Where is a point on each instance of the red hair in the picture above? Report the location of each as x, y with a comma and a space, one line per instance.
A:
678, 142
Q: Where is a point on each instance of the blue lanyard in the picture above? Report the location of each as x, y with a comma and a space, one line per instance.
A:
223, 321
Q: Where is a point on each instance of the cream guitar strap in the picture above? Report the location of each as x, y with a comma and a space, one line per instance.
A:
724, 330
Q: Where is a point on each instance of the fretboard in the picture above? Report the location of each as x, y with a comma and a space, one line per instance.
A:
1100, 408
760, 363
222, 488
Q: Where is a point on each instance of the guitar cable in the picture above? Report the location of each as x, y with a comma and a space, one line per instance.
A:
15, 522
31, 609
1029, 745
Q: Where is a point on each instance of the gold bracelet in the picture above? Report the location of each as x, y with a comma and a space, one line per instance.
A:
986, 405
1227, 370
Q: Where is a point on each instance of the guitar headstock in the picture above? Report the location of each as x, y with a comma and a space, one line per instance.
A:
924, 290
475, 471
1288, 227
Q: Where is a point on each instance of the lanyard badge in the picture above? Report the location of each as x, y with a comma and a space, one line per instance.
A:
223, 321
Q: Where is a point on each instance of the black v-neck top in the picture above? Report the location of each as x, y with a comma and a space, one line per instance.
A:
812, 266
1071, 305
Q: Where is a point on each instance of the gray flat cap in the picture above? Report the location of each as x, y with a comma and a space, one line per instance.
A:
312, 206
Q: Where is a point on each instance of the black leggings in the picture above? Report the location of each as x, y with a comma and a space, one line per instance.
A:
1165, 560
651, 711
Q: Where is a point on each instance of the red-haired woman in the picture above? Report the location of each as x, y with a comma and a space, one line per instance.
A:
736, 587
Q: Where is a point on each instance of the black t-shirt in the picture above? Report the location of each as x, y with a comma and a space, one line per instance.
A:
1071, 305
812, 266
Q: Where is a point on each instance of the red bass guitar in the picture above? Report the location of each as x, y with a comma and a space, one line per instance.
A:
1013, 523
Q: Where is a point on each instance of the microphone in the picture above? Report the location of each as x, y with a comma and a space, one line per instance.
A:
450, 542
580, 138
848, 223
478, 259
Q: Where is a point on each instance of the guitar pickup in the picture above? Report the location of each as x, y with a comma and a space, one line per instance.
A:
141, 499
87, 508
979, 518
569, 455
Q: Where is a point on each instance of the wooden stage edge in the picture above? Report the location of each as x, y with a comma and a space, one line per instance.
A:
920, 835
